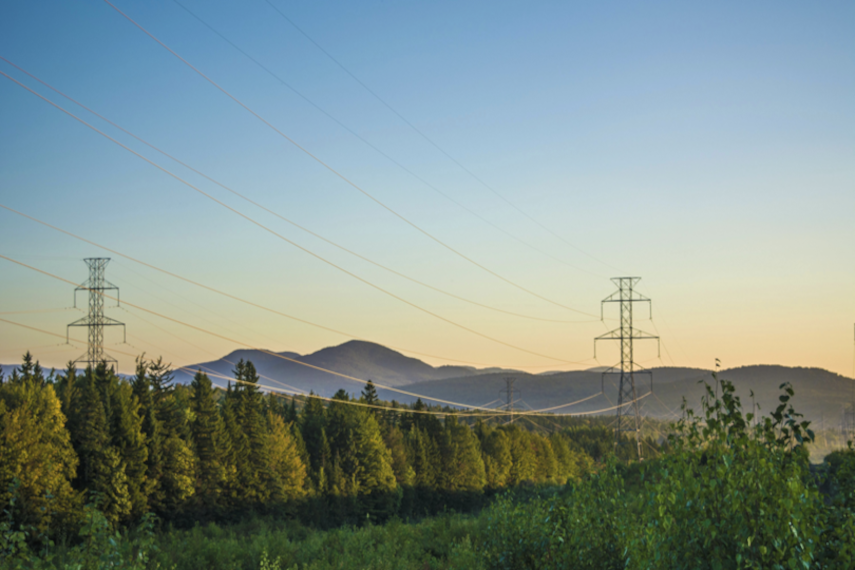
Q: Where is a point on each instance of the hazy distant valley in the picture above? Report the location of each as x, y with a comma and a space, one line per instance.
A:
819, 394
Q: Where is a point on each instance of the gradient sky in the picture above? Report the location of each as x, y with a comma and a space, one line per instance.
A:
708, 148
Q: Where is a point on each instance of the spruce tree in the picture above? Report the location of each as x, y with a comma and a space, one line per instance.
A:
313, 428
127, 437
420, 458
254, 473
372, 468
286, 466
524, 460
497, 458
101, 473
234, 450
153, 432
393, 437
369, 394
462, 465
291, 416
208, 438
547, 465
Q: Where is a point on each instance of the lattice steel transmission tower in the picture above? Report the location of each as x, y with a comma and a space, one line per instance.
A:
626, 334
509, 392
96, 320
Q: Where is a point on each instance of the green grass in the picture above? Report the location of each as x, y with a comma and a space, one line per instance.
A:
445, 541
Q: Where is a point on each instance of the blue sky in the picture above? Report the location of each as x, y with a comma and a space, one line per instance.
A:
706, 148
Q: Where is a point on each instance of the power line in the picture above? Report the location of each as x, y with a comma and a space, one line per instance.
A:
226, 360
431, 141
305, 364
375, 148
280, 236
283, 218
571, 403
37, 311
242, 300
223, 337
343, 177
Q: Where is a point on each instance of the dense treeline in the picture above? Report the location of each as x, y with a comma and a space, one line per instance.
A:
730, 490
197, 453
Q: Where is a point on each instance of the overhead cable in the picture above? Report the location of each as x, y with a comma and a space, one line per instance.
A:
305, 364
280, 236
344, 178
380, 151
251, 303
283, 218
431, 141
235, 341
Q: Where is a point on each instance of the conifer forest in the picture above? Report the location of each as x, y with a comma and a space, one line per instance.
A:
99, 471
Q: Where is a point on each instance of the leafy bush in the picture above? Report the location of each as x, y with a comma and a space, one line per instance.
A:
731, 493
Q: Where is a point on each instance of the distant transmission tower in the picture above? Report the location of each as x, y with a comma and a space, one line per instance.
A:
95, 320
626, 333
509, 392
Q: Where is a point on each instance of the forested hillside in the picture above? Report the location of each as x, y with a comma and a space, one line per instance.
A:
93, 465
195, 453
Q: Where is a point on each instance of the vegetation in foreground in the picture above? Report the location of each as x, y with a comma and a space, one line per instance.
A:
729, 491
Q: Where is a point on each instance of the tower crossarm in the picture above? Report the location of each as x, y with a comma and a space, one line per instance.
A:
626, 333
96, 320
634, 334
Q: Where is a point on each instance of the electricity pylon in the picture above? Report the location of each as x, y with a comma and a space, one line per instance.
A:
626, 333
509, 391
95, 320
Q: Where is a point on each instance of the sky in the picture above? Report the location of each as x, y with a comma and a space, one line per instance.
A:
516, 155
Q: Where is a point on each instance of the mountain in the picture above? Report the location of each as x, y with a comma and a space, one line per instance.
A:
819, 394
365, 360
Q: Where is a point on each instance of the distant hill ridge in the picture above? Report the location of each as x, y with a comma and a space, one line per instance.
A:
360, 359
820, 394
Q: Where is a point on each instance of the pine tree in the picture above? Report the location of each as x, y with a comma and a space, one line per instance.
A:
254, 473
394, 440
462, 466
373, 461
289, 472
66, 390
497, 458
178, 478
420, 458
369, 395
547, 465
313, 428
524, 460
36, 451
234, 450
291, 416
128, 439
101, 473
154, 435
340, 432
170, 464
208, 437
